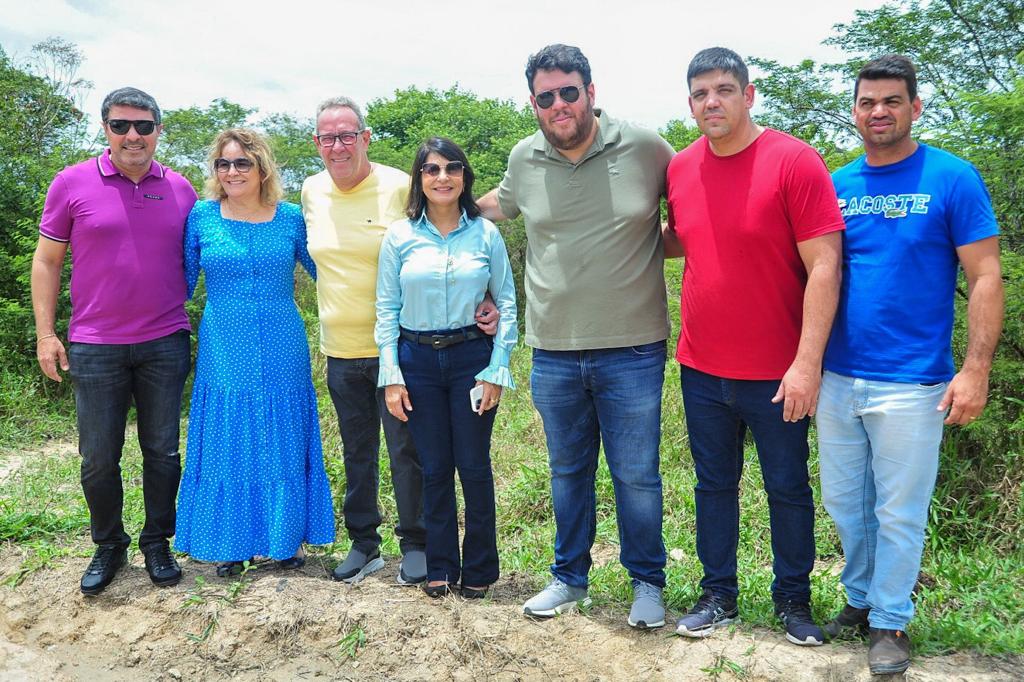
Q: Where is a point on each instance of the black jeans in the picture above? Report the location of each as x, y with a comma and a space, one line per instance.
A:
107, 378
361, 413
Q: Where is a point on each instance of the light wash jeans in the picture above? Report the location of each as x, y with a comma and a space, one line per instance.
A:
878, 443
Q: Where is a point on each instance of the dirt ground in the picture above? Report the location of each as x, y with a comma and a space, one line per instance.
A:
302, 626
275, 625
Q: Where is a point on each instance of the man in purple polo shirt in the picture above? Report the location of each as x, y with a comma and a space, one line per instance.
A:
123, 216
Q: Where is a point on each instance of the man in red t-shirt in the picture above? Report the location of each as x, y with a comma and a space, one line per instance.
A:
754, 212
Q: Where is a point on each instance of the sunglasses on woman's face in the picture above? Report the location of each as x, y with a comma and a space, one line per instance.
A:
569, 94
452, 168
242, 165
121, 126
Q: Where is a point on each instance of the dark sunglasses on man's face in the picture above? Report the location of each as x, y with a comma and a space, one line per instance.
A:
452, 168
241, 164
569, 94
120, 126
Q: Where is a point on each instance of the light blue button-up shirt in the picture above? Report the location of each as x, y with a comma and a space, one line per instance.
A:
426, 282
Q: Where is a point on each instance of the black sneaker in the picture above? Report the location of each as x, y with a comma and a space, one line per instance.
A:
160, 564
889, 651
850, 622
711, 611
800, 626
106, 561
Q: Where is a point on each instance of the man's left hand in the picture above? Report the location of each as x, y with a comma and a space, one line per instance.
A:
965, 397
487, 316
799, 391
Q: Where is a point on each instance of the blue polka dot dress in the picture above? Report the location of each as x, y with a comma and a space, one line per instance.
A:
254, 480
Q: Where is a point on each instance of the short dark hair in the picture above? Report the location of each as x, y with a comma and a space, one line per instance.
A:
718, 59
565, 58
129, 97
894, 66
417, 201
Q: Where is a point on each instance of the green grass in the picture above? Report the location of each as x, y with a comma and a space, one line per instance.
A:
972, 597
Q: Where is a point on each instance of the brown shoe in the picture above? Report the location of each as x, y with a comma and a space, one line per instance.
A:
889, 651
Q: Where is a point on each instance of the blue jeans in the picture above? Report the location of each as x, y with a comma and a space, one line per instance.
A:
878, 443
611, 395
450, 437
718, 413
107, 378
352, 383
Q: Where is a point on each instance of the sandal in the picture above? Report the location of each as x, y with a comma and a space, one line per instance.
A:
474, 592
435, 591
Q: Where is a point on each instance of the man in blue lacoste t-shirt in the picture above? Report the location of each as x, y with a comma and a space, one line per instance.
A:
913, 214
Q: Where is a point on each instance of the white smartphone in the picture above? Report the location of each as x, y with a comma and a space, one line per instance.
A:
476, 397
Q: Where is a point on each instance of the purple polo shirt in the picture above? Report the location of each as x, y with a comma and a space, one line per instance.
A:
127, 258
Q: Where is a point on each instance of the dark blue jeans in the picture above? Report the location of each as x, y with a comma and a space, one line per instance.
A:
718, 413
107, 378
611, 395
450, 437
352, 383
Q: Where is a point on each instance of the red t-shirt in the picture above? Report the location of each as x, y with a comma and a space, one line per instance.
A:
739, 219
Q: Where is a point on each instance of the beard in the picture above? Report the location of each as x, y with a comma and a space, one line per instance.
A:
573, 138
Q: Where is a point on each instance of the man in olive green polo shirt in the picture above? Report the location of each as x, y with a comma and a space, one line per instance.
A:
588, 187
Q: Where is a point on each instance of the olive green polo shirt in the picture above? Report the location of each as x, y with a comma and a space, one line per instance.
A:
594, 260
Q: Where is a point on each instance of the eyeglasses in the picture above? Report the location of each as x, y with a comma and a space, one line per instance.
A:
452, 169
242, 165
121, 126
347, 138
569, 94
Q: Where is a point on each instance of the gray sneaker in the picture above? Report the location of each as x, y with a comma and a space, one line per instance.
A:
357, 566
648, 608
413, 569
710, 612
554, 599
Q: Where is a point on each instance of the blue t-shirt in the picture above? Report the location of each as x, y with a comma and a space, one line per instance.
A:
904, 222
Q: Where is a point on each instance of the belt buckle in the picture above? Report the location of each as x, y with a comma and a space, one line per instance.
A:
437, 342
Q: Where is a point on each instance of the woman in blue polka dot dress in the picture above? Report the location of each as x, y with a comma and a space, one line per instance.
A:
254, 480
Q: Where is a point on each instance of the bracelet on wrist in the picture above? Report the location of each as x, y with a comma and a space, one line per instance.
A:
45, 336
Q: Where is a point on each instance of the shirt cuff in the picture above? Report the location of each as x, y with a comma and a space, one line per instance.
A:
497, 374
388, 375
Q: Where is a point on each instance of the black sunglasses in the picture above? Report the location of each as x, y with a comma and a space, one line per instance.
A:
452, 168
121, 126
569, 94
241, 164
347, 138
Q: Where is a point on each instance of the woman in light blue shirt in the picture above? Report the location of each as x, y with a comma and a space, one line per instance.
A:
435, 268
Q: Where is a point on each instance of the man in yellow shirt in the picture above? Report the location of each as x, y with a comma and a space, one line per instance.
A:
347, 208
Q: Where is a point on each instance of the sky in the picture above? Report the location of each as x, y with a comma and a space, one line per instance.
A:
287, 56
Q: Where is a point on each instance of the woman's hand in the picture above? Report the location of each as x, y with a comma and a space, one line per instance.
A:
492, 394
397, 400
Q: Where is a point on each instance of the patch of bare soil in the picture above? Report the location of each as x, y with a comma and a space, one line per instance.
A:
302, 626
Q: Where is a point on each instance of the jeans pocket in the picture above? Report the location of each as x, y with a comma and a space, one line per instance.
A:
649, 348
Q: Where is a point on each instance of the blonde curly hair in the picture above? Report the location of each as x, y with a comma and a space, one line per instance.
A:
255, 147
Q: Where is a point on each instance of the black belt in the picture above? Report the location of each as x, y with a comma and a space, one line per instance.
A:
439, 341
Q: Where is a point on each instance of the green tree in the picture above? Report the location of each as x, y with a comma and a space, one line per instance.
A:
486, 129
291, 139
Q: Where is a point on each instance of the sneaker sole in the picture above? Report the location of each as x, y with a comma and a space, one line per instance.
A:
643, 625
889, 669
810, 641
166, 582
407, 582
560, 609
703, 632
370, 567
